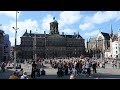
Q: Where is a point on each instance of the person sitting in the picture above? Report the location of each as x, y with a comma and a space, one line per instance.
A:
17, 72
43, 72
20, 73
14, 76
24, 76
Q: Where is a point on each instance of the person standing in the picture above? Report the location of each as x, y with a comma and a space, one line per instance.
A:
33, 70
88, 67
24, 76
20, 72
94, 65
38, 67
3, 67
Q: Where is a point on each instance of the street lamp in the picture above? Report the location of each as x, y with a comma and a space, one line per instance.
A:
45, 46
15, 41
34, 46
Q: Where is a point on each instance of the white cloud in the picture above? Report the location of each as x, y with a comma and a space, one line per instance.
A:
93, 33
12, 40
23, 25
103, 16
86, 26
68, 18
45, 26
67, 31
11, 14
99, 18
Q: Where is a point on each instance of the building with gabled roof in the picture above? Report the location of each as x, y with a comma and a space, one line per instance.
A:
101, 44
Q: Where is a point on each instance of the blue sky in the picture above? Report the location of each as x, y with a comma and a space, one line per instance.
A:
87, 23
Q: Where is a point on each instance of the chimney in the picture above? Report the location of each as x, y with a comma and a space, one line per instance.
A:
62, 33
26, 30
74, 33
78, 35
45, 33
30, 31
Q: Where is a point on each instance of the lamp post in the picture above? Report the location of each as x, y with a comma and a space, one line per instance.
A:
45, 46
34, 47
15, 41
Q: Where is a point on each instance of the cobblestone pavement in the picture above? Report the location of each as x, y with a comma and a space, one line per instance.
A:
107, 73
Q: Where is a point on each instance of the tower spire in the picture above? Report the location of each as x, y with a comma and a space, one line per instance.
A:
26, 30
111, 31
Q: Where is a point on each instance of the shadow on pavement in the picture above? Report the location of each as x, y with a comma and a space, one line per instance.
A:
106, 76
93, 76
65, 77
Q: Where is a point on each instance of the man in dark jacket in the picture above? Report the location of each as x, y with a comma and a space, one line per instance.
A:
94, 67
33, 69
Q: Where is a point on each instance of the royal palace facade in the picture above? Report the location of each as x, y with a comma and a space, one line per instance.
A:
52, 45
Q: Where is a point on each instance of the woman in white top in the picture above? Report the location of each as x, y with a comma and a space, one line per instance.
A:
74, 71
24, 76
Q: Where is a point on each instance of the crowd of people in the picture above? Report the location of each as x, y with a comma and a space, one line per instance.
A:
19, 75
73, 67
37, 67
76, 67
37, 71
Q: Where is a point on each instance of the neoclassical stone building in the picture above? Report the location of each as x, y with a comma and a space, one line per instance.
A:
52, 45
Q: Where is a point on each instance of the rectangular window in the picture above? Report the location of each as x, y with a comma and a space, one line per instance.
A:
116, 47
116, 52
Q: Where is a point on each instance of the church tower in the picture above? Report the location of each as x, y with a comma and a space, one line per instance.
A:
111, 31
54, 27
